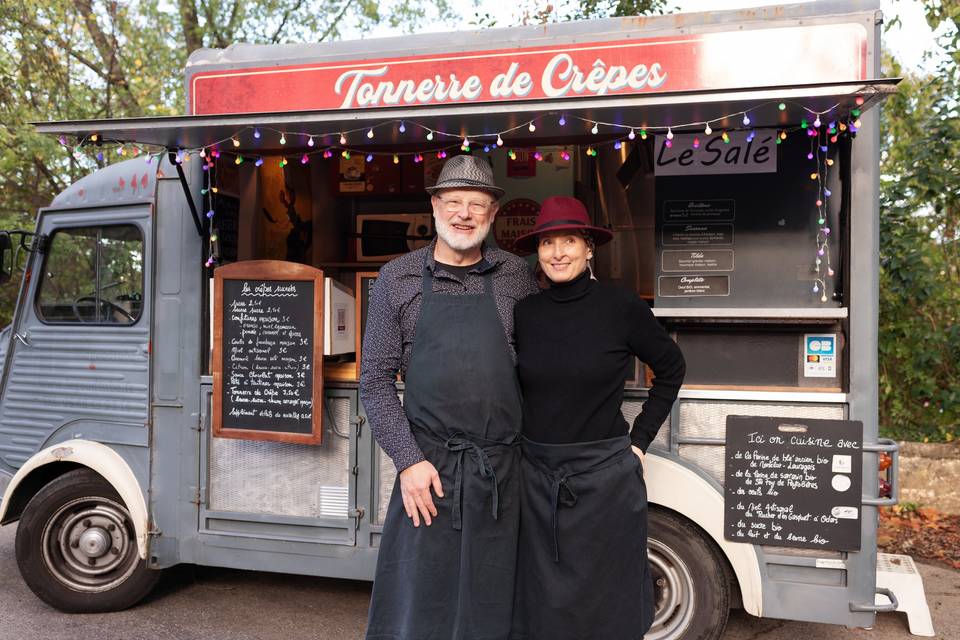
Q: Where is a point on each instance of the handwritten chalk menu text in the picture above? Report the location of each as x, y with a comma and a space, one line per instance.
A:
267, 350
793, 482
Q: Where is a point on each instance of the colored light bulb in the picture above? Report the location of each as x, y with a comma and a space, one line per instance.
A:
532, 127
707, 130
595, 129
631, 135
403, 129
370, 133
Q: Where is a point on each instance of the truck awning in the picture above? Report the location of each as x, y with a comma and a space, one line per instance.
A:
685, 111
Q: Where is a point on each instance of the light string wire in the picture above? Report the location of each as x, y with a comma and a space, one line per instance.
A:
465, 137
208, 153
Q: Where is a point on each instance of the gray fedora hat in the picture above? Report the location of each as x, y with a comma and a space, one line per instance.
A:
466, 172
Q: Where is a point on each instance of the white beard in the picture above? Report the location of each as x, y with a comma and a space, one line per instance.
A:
458, 242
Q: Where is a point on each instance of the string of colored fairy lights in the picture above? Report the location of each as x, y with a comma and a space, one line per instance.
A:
210, 153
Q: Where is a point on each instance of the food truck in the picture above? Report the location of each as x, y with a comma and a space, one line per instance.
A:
180, 379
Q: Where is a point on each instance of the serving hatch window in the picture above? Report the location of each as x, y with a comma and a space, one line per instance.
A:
93, 275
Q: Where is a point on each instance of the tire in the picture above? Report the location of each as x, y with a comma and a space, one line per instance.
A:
76, 547
691, 592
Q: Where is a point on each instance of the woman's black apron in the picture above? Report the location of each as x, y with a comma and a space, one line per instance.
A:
582, 565
455, 579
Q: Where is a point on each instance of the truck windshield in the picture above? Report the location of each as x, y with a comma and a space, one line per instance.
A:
92, 275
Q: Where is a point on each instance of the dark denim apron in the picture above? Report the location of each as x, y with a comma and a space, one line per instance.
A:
455, 579
582, 568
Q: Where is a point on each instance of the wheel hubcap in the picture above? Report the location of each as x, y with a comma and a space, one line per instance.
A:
88, 544
674, 597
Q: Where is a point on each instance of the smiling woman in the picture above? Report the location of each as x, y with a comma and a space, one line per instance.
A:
581, 479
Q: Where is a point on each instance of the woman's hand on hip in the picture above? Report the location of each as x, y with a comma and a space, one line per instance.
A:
415, 483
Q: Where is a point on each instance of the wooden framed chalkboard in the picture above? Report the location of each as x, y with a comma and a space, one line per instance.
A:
793, 482
364, 284
268, 352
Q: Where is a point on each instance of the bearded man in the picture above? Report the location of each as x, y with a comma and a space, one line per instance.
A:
442, 317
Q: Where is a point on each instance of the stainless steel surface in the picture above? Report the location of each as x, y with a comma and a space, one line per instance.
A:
763, 396
281, 478
661, 312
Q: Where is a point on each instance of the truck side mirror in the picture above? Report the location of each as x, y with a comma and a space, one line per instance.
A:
6, 257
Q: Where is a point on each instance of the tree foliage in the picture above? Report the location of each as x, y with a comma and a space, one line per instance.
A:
82, 59
920, 245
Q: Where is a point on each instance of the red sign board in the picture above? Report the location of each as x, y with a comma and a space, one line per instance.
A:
706, 61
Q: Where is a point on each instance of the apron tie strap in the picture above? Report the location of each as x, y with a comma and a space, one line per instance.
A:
462, 445
562, 494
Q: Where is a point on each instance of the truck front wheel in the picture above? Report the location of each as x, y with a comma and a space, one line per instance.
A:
691, 593
76, 547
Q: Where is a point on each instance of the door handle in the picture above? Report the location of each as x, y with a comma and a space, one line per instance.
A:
22, 337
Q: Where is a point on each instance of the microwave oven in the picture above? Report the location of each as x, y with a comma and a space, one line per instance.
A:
385, 236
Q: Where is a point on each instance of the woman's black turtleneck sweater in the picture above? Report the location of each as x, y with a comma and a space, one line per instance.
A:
575, 347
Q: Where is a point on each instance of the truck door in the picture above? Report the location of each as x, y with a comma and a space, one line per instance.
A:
79, 365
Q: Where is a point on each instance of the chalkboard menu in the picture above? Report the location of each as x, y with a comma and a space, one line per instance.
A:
793, 482
268, 351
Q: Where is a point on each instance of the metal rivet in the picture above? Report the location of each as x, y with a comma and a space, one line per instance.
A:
115, 551
111, 527
86, 523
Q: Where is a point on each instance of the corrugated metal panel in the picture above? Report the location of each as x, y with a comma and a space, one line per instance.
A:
249, 476
68, 373
387, 473
709, 418
631, 409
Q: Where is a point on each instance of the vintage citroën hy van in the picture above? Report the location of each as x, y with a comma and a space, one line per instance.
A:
179, 382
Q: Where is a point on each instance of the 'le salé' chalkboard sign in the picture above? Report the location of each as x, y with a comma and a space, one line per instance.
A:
793, 482
268, 352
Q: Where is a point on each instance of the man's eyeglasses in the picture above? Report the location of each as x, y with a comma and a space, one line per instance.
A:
475, 207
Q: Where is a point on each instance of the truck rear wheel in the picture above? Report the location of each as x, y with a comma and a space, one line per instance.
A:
691, 593
76, 547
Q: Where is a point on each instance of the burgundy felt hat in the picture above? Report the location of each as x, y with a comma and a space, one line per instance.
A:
561, 213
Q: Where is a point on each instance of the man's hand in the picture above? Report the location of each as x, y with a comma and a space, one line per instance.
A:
415, 483
638, 452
